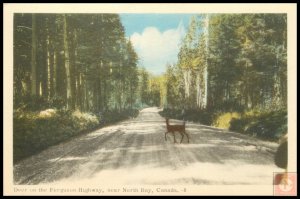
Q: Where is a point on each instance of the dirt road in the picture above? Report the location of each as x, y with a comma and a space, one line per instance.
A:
135, 152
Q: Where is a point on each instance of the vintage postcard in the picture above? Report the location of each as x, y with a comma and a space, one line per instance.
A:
150, 99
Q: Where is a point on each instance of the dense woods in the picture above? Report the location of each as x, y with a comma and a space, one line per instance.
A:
231, 63
76, 61
70, 70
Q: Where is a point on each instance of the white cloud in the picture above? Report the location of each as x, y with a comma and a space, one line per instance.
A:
156, 49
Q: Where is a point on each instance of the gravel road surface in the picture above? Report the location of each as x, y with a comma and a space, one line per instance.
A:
135, 152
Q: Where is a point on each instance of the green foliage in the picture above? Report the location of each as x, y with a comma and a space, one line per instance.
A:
91, 48
201, 116
83, 65
231, 62
223, 120
143, 86
174, 89
265, 125
36, 103
227, 64
84, 121
115, 116
35, 131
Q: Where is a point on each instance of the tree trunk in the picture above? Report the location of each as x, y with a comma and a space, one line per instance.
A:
131, 95
44, 67
54, 79
205, 74
33, 58
276, 89
79, 91
187, 83
73, 68
67, 65
100, 101
86, 95
198, 87
55, 62
105, 90
50, 67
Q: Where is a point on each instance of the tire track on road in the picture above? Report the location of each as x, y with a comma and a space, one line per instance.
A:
135, 151
30, 178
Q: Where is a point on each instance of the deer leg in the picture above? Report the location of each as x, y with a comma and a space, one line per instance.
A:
187, 137
182, 135
174, 137
166, 136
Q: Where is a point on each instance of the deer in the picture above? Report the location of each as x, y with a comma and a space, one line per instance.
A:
176, 128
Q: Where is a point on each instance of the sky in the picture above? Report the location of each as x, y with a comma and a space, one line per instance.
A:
156, 38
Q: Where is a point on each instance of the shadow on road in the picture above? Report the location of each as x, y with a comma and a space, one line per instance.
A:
135, 151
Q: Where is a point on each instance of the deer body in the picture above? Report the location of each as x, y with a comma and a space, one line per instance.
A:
176, 128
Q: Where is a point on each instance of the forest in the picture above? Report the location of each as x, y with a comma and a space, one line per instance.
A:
72, 72
77, 72
231, 73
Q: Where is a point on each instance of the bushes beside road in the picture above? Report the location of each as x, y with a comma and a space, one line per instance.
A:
266, 125
35, 131
203, 116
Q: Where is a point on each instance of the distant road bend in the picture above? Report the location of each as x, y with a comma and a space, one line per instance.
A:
135, 152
